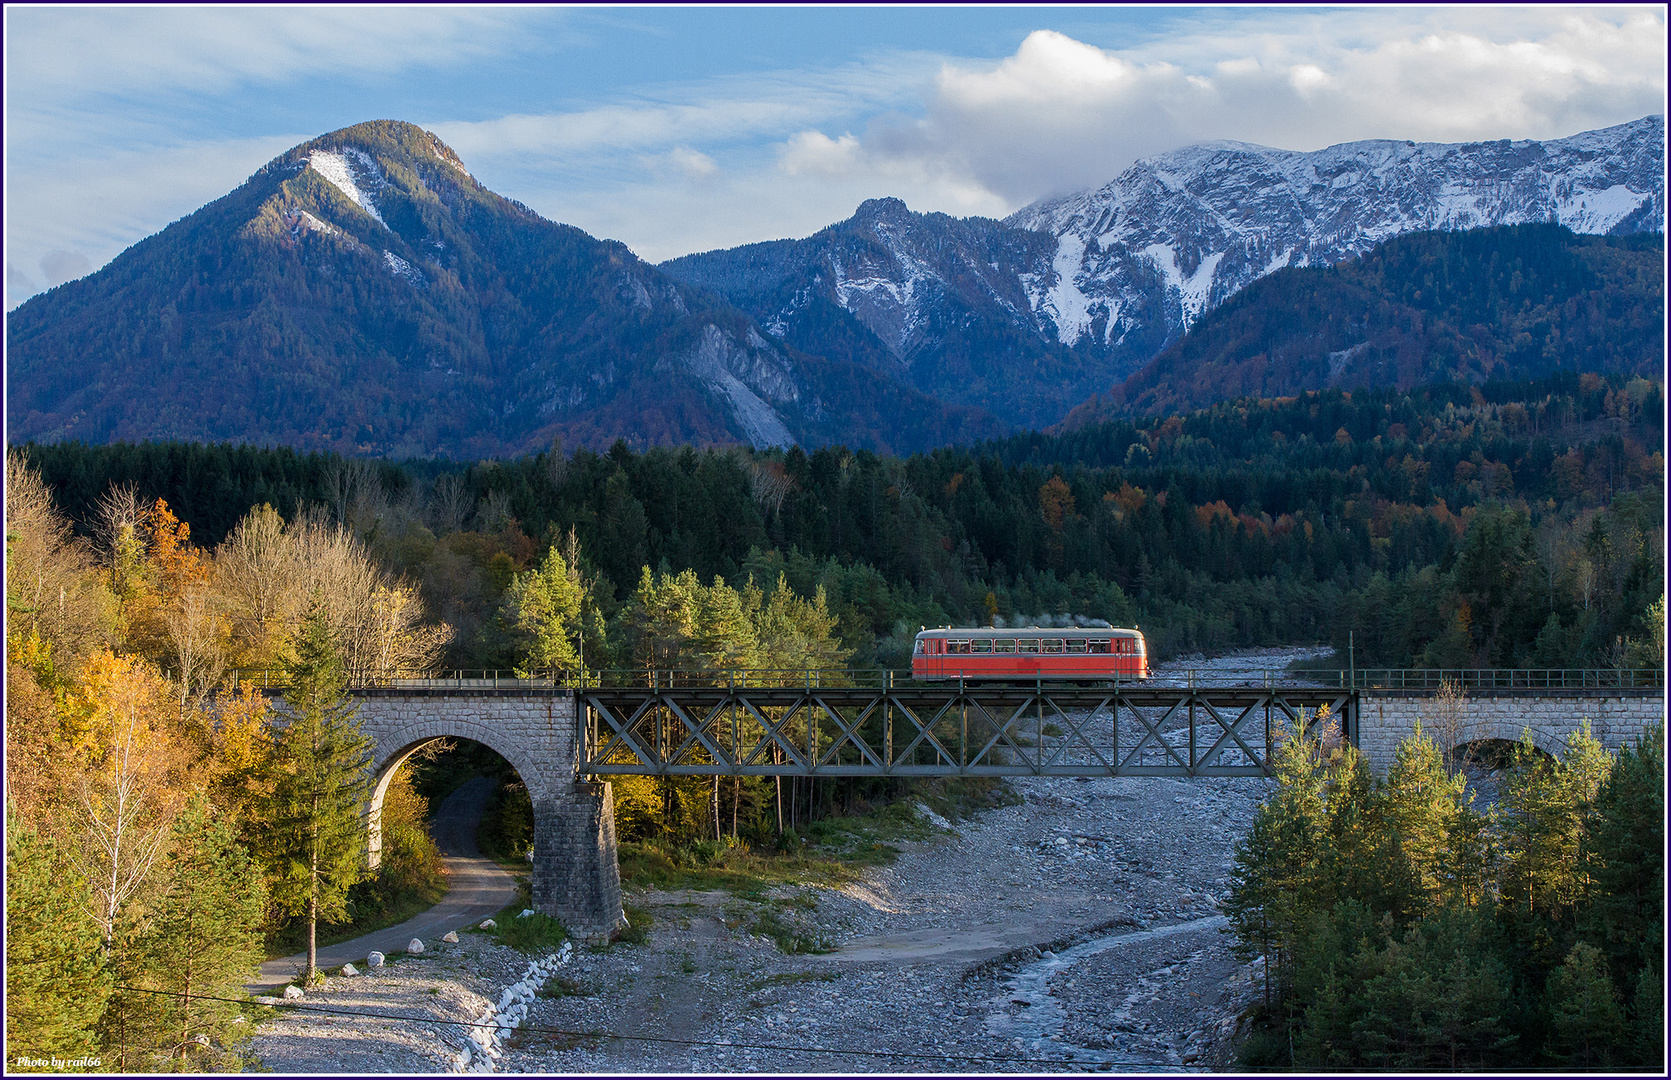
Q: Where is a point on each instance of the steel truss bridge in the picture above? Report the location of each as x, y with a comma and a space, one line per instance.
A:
953, 729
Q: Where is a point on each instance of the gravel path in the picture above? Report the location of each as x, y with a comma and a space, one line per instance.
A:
476, 889
1076, 931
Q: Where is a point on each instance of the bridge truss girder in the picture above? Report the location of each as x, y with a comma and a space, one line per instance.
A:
1043, 729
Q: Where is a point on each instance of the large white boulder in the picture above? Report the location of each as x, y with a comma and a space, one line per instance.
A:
349, 971
451, 937
414, 946
292, 993
487, 924
374, 960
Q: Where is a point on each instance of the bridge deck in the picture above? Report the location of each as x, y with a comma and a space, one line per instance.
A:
954, 730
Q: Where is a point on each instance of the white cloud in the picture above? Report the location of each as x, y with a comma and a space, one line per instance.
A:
102, 49
1061, 115
813, 152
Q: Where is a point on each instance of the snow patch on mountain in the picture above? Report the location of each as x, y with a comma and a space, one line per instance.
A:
1192, 290
334, 166
1061, 301
404, 270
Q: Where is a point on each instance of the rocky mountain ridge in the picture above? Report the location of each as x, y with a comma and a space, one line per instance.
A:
1073, 294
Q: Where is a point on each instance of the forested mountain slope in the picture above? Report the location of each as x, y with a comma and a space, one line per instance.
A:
1515, 302
363, 293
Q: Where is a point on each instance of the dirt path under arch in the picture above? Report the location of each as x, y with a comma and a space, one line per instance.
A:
477, 888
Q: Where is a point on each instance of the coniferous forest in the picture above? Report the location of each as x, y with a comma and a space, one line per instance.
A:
1514, 524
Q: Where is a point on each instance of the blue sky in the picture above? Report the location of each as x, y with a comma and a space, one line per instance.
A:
679, 129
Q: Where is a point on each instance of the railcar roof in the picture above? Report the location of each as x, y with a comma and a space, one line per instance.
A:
1029, 632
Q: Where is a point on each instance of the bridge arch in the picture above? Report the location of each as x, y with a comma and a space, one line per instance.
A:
387, 758
574, 873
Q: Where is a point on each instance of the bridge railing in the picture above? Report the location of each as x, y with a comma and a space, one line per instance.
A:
657, 678
1465, 680
1421, 680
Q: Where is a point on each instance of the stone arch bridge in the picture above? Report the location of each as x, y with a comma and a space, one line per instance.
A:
564, 742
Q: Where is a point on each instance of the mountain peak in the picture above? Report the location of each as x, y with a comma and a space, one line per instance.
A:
886, 209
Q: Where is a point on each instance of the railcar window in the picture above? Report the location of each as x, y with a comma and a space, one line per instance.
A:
957, 646
1100, 647
1052, 645
1076, 645
981, 645
1003, 645
919, 650
1027, 645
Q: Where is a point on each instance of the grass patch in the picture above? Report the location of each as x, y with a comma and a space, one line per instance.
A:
790, 938
534, 933
560, 986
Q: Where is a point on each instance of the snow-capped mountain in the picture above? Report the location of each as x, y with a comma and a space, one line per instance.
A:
1177, 234
1070, 295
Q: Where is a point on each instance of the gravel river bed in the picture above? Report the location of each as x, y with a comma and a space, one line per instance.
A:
1076, 931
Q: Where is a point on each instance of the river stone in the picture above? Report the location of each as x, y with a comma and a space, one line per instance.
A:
292, 993
414, 946
451, 937
349, 971
487, 924
374, 960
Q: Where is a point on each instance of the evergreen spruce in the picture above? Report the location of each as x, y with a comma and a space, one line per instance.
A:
318, 843
57, 983
543, 608
201, 945
1586, 1022
1624, 849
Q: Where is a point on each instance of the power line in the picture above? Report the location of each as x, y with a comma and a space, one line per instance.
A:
1006, 1058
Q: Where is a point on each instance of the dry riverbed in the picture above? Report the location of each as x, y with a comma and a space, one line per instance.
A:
1078, 930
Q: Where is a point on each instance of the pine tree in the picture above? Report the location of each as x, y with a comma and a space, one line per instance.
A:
200, 946
1624, 852
56, 979
1586, 1024
318, 841
543, 608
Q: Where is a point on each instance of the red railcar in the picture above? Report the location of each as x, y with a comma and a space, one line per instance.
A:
1033, 653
